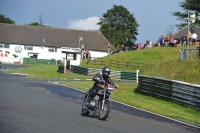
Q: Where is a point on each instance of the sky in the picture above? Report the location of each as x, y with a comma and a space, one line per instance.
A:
153, 16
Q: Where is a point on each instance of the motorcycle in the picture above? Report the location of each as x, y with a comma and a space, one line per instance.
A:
100, 104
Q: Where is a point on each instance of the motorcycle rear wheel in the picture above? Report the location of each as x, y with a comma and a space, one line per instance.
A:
103, 114
85, 112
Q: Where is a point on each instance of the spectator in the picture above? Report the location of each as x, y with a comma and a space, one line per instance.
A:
194, 38
108, 49
159, 41
83, 54
184, 40
165, 41
134, 47
87, 53
140, 46
144, 46
137, 45
150, 44
122, 48
189, 36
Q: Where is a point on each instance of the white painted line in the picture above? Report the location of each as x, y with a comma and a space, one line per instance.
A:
19, 74
77, 79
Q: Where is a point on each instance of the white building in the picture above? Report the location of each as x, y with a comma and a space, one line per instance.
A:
17, 42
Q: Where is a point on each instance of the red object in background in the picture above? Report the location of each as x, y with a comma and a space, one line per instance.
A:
140, 46
171, 38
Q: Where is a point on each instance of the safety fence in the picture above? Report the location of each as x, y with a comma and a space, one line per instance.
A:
38, 61
114, 74
61, 68
189, 53
179, 92
114, 63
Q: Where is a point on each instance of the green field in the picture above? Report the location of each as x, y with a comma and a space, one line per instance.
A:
161, 62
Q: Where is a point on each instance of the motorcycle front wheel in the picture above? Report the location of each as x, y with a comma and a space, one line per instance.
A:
103, 113
85, 112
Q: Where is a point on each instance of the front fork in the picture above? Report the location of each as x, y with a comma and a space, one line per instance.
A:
103, 102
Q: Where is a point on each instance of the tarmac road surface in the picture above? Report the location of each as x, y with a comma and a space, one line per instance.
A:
37, 106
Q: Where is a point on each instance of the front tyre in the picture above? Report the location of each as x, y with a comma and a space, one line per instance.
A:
85, 112
103, 114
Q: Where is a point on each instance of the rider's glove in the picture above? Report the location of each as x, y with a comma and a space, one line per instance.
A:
103, 81
116, 86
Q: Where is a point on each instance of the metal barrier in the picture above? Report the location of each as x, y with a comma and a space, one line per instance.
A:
61, 68
189, 53
179, 92
38, 61
79, 70
114, 63
114, 74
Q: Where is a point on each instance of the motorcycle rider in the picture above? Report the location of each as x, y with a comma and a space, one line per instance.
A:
101, 78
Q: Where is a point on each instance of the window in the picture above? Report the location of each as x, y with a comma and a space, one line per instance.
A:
28, 47
71, 56
52, 49
6, 45
34, 56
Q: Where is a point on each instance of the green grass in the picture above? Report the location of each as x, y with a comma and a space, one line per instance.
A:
160, 62
47, 72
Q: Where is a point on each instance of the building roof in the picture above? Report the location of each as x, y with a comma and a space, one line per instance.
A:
184, 31
52, 37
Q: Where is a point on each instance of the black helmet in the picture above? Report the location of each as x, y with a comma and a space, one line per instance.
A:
106, 71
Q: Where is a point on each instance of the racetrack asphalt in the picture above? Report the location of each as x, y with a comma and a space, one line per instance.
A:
38, 106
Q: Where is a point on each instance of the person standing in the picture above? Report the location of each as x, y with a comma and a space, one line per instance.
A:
108, 49
189, 37
194, 38
87, 53
185, 40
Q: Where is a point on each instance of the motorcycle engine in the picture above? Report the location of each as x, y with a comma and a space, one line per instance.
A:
92, 103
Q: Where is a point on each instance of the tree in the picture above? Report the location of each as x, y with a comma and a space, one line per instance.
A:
34, 24
119, 26
4, 19
40, 23
189, 7
169, 30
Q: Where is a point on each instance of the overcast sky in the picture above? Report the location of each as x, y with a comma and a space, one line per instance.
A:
153, 16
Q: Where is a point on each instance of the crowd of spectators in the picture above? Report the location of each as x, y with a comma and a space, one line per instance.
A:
163, 41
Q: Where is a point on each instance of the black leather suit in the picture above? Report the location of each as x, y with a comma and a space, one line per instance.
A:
98, 79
